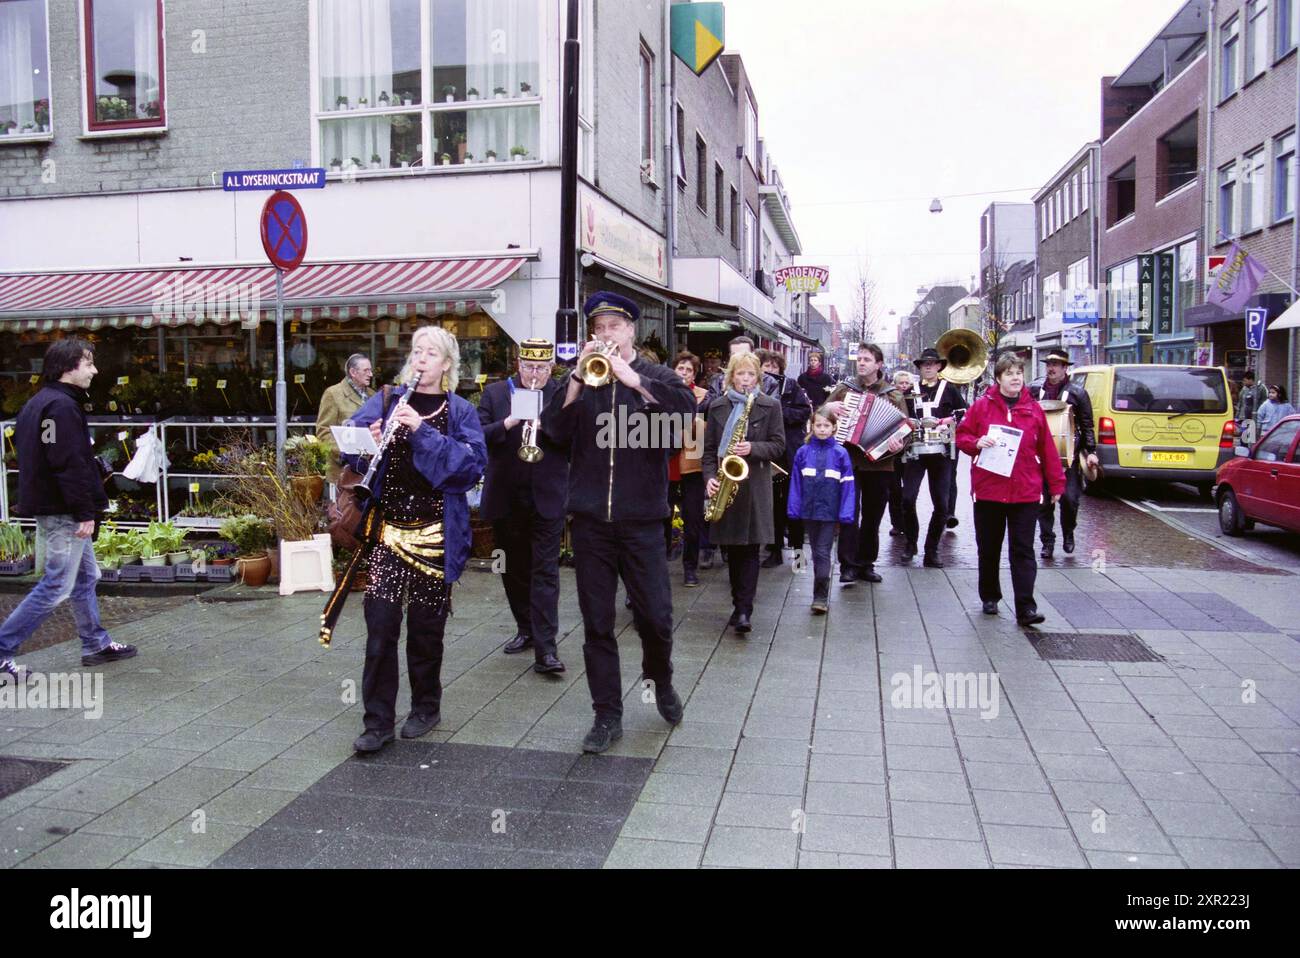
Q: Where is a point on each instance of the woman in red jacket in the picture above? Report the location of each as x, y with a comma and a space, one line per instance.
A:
1007, 505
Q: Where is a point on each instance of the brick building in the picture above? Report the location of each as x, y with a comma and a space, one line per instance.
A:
1067, 214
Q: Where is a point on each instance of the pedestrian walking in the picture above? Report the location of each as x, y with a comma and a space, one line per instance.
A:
822, 496
1009, 490
1273, 410
61, 484
815, 381
902, 380
686, 479
340, 402
1249, 399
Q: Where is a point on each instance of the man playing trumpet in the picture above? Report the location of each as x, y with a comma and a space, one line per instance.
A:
523, 498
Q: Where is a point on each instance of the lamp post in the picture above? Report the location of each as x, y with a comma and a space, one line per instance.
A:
566, 315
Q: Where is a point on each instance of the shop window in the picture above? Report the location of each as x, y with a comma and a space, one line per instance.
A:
1121, 193
1176, 157
25, 75
124, 65
1185, 296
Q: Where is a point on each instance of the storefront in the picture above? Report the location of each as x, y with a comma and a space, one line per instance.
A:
1148, 301
1225, 333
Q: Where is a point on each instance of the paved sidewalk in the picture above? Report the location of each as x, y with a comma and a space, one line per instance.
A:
792, 752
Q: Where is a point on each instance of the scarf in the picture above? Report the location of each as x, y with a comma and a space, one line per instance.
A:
738, 401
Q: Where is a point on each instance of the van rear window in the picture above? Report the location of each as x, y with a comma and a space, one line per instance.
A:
1172, 389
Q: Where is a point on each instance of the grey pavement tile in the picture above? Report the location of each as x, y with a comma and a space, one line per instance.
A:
1283, 841
1270, 739
868, 769
192, 785
1098, 767
1106, 859
1115, 712
1202, 726
602, 799
780, 727
732, 846
693, 734
846, 742
923, 758
84, 850
694, 761
1119, 833
1146, 758
911, 786
1062, 742
1164, 705
1107, 692
902, 733
273, 729
845, 833
1111, 797
94, 793
1173, 787
1018, 808
1222, 853
939, 853
565, 834
372, 851
767, 779
1063, 721
1003, 750
1288, 766
934, 820
848, 720
842, 861
1265, 808
640, 853
751, 810
1131, 733
772, 751
294, 776
1200, 820
240, 756
270, 847
196, 737
667, 788
1032, 845
670, 823
487, 732
842, 798
999, 776
140, 818
251, 807
1256, 778
149, 764
31, 829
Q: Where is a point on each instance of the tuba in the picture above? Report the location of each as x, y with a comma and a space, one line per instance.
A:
732, 470
966, 355
594, 369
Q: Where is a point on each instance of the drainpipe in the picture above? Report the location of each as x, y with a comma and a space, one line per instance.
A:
1295, 274
1208, 185
670, 176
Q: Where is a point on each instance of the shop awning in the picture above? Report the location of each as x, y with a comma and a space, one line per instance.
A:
1288, 320
246, 293
1206, 315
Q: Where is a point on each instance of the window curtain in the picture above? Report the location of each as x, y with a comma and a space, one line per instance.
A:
146, 63
17, 85
356, 60
488, 66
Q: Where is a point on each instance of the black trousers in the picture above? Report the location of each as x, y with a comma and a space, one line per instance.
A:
860, 541
939, 470
952, 490
1069, 506
742, 567
785, 527
821, 535
532, 574
896, 501
379, 679
688, 494
1014, 521
602, 553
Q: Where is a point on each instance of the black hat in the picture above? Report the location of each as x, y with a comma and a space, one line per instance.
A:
1057, 356
611, 303
930, 355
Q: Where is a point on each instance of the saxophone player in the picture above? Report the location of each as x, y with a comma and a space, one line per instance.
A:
618, 498
524, 501
746, 423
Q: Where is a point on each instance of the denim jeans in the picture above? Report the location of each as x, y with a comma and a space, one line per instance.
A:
70, 573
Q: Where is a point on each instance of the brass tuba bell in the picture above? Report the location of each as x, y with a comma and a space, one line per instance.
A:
966, 354
594, 369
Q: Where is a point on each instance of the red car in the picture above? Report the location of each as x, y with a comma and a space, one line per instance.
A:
1264, 484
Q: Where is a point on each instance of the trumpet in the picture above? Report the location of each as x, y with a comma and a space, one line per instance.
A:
529, 450
594, 369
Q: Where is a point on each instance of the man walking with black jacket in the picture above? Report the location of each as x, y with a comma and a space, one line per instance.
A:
60, 483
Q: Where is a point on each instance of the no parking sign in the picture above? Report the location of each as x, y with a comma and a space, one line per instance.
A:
284, 230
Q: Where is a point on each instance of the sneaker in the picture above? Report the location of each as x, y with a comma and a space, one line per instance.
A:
691, 579
820, 607
604, 733
113, 652
8, 667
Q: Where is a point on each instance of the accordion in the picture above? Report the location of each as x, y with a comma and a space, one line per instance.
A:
868, 426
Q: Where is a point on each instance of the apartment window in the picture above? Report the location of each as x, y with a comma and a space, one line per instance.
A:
1076, 276
647, 74
1284, 176
735, 218
748, 239
1042, 220
719, 210
25, 74
1077, 183
1087, 186
1121, 193
124, 68
1056, 210
1256, 38
475, 99
701, 174
984, 231
1185, 290
751, 133
1227, 201
1254, 190
1287, 17
1052, 296
1228, 58
1176, 158
680, 147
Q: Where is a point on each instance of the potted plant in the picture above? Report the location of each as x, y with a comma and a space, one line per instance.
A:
336, 164
449, 93
169, 541
499, 93
42, 110
376, 161
251, 536
307, 459
469, 159
525, 88
404, 160
354, 163
407, 99
472, 93
221, 554
491, 156
445, 159
341, 103
458, 141
518, 153
362, 103
16, 550
383, 98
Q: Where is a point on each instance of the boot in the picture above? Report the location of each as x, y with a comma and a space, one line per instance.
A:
821, 594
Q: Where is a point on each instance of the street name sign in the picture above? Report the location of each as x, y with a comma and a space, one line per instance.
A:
303, 179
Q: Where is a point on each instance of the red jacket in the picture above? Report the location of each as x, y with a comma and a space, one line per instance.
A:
1037, 453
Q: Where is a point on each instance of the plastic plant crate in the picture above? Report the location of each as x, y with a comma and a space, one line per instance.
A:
18, 566
220, 573
159, 573
130, 573
184, 572
109, 575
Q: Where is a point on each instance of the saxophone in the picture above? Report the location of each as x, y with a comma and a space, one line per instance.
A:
732, 471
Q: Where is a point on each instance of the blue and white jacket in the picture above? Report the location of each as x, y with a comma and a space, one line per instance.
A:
821, 482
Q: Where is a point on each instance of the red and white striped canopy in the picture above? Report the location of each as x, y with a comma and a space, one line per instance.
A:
229, 294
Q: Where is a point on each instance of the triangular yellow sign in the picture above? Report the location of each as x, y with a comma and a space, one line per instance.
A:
707, 47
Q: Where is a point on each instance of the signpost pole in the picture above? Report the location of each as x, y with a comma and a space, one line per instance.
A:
281, 396
566, 315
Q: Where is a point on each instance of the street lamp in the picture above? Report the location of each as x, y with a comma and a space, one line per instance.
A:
936, 206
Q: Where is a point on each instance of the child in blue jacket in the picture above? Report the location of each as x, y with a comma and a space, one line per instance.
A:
822, 495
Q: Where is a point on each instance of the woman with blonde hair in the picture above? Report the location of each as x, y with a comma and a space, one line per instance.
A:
747, 524
419, 534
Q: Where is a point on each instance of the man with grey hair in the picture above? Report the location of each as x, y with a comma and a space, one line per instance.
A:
341, 401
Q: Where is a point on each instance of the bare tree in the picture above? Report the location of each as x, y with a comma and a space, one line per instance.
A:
866, 304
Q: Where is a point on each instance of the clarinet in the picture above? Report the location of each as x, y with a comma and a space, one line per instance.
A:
390, 427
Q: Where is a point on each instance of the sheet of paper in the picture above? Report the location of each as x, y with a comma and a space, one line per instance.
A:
525, 404
1001, 459
354, 440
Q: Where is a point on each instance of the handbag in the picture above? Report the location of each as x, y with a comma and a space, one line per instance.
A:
345, 513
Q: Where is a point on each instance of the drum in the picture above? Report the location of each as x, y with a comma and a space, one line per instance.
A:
1060, 423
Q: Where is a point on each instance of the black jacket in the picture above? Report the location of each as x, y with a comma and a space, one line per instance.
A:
817, 387
506, 472
610, 480
951, 400
57, 471
796, 410
1077, 396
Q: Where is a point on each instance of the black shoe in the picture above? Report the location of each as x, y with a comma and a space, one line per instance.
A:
990, 608
731, 622
1067, 543
772, 561
548, 663
372, 740
1048, 548
706, 559
690, 579
742, 624
417, 724
518, 644
1031, 618
952, 523
113, 652
895, 531
932, 562
604, 733
909, 551
848, 576
871, 575
669, 704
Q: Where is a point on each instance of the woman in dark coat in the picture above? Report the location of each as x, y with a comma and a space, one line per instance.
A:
747, 524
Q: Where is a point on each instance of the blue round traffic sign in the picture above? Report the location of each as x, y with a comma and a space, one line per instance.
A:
284, 230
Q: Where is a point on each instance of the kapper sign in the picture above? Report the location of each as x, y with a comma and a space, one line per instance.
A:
803, 279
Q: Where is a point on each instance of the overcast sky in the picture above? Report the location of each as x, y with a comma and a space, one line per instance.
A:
896, 103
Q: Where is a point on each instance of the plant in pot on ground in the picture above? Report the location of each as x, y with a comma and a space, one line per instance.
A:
251, 536
16, 549
169, 541
112, 546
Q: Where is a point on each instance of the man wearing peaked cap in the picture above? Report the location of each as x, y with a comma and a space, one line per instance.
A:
1056, 385
524, 501
611, 303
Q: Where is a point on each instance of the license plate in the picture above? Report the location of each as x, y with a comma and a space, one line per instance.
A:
1169, 457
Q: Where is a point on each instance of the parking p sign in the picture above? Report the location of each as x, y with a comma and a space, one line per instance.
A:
1255, 319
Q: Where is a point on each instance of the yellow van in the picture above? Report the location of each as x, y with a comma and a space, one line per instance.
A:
1163, 422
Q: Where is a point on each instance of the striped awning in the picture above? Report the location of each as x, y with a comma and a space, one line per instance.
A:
246, 294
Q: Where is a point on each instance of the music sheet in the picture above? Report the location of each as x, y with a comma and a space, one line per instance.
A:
1001, 459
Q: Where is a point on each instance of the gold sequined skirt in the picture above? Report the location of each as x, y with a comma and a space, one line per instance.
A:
419, 544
